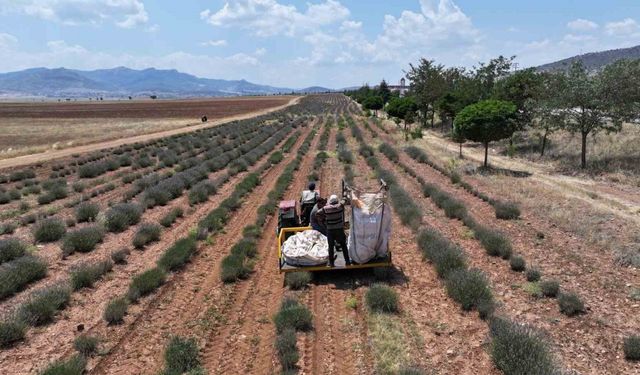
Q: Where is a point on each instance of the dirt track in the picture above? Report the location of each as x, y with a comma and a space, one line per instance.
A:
189, 127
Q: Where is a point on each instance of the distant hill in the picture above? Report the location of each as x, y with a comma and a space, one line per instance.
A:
594, 60
122, 81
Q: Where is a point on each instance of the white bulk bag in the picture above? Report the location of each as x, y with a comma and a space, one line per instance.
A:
308, 248
370, 227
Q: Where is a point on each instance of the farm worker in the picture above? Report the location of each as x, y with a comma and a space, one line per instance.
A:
313, 219
332, 215
307, 201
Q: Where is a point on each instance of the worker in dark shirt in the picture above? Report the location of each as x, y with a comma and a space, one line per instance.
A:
332, 216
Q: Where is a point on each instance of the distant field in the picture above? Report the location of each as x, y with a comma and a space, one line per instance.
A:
27, 128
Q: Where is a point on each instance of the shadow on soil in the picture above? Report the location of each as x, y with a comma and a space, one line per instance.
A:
493, 171
354, 279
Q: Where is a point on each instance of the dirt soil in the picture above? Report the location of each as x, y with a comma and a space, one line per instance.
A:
112, 124
589, 344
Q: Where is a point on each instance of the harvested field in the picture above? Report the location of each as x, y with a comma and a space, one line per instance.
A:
28, 128
161, 257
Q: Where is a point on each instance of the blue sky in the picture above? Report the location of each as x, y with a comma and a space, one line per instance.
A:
334, 43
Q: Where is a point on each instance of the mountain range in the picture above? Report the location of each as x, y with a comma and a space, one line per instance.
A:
122, 82
594, 60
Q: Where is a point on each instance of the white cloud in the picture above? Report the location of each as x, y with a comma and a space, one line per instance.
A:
268, 17
260, 52
7, 40
123, 13
214, 43
581, 24
441, 29
623, 28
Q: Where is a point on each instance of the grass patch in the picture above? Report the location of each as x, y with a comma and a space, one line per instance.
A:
520, 350
570, 304
181, 356
389, 343
146, 234
145, 283
85, 275
49, 230
286, 348
293, 315
506, 210
495, 243
549, 288
72, 366
87, 211
297, 280
43, 304
86, 345
10, 249
632, 348
178, 254
382, 298
82, 240
517, 263
469, 288
115, 311
17, 274
12, 330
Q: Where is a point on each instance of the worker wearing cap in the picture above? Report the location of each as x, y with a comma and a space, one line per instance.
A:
332, 216
307, 201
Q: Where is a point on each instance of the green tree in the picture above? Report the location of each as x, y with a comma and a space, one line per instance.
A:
544, 108
486, 76
458, 137
597, 102
520, 88
384, 92
428, 84
404, 109
486, 121
373, 102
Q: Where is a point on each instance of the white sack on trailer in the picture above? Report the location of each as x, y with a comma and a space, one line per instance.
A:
370, 227
308, 248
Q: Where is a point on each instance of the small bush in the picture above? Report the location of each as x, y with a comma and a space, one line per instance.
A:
549, 288
73, 366
145, 283
86, 345
87, 211
10, 249
49, 230
533, 274
494, 242
122, 216
297, 280
570, 304
287, 350
468, 287
181, 356
632, 348
146, 234
506, 210
382, 298
293, 315
518, 349
235, 266
115, 311
120, 256
171, 217
43, 304
85, 275
517, 263
200, 192
11, 331
82, 240
445, 255
178, 254
7, 228
17, 274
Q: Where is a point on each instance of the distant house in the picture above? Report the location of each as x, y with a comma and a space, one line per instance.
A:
402, 88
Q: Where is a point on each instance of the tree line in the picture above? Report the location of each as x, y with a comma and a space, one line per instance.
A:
491, 101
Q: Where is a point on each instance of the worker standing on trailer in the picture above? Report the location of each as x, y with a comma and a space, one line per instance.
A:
313, 219
332, 215
307, 201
